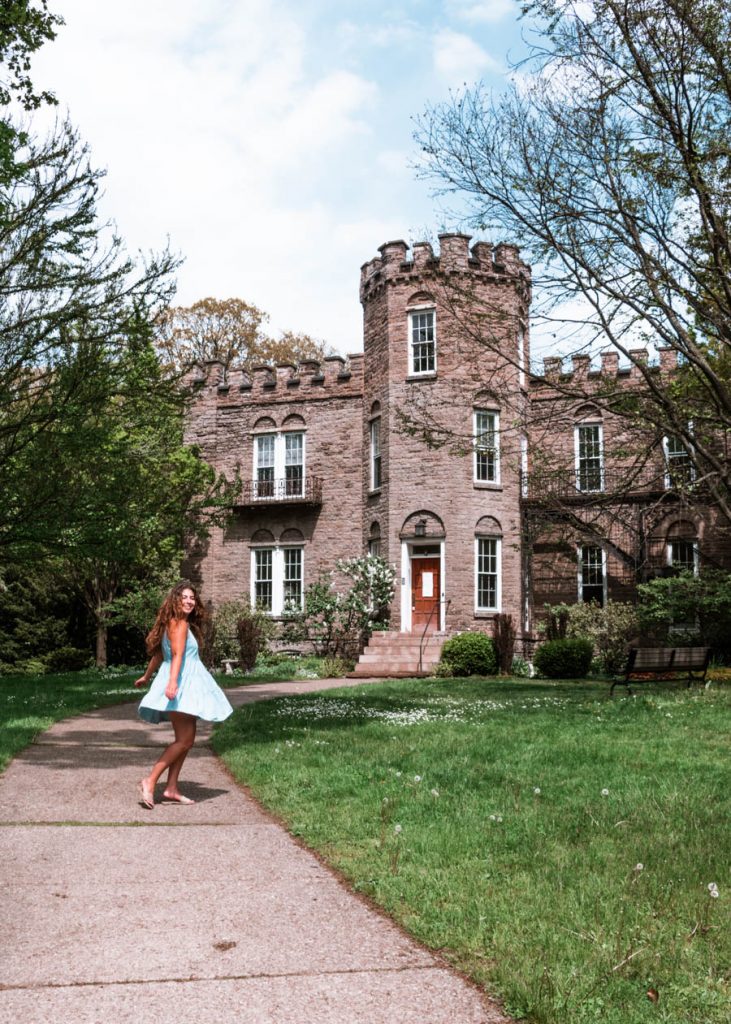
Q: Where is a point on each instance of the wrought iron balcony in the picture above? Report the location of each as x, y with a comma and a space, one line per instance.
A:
305, 491
585, 486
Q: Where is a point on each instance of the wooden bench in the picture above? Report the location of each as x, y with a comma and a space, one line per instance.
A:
648, 664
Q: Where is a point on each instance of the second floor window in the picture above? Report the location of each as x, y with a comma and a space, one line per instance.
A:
375, 454
591, 574
279, 465
589, 457
487, 464
678, 466
683, 555
422, 342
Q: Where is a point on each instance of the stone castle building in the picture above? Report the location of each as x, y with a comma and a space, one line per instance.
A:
488, 489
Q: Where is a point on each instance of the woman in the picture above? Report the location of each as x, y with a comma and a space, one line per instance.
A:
182, 691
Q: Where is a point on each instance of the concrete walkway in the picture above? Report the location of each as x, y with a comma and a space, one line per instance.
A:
206, 914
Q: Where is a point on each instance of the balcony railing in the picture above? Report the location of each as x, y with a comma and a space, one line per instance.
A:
587, 485
305, 491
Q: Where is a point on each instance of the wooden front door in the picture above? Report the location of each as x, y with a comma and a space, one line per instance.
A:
425, 591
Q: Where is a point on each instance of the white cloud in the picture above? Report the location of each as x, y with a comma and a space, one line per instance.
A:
482, 10
458, 58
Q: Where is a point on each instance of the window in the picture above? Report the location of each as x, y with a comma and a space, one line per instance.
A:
591, 574
524, 467
683, 555
521, 357
487, 462
376, 454
277, 579
488, 574
589, 457
279, 465
679, 470
422, 342
263, 579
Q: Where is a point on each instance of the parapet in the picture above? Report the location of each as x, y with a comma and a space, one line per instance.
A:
455, 257
553, 366
334, 376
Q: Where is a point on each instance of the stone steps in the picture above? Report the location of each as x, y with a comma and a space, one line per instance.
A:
396, 655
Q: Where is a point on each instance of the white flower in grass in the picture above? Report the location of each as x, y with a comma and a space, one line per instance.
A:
714, 894
713, 890
493, 817
417, 778
434, 793
639, 867
537, 790
397, 830
398, 775
605, 792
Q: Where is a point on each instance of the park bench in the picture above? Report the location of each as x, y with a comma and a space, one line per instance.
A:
648, 664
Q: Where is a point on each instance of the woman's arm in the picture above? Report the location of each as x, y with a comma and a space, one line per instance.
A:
152, 666
177, 634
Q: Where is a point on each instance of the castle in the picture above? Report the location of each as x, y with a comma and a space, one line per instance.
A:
491, 490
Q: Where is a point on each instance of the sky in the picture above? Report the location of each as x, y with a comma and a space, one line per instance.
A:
270, 141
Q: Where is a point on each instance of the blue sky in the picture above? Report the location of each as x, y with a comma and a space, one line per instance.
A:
270, 140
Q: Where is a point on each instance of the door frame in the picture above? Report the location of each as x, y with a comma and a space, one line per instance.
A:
408, 549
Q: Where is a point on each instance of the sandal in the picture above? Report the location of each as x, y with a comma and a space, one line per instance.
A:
147, 798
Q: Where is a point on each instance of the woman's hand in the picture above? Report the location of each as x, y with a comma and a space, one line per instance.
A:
142, 681
171, 691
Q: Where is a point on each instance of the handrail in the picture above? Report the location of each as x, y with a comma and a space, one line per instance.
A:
437, 604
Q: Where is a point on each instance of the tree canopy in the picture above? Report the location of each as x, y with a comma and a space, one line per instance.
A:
608, 160
229, 331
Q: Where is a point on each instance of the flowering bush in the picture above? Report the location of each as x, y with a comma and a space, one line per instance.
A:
609, 629
337, 623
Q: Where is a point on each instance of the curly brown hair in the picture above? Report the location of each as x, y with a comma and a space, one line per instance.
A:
172, 608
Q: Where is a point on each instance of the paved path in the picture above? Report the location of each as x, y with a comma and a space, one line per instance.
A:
206, 914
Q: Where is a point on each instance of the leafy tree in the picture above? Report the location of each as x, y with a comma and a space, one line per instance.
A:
229, 331
697, 608
608, 159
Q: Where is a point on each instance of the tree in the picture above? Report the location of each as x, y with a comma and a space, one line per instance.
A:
608, 159
229, 331
68, 295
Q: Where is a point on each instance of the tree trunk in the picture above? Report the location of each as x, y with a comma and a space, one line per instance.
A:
101, 643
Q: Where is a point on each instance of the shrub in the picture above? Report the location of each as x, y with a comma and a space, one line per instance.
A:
564, 659
334, 668
470, 654
224, 642
698, 606
67, 659
520, 667
251, 633
609, 629
443, 670
503, 635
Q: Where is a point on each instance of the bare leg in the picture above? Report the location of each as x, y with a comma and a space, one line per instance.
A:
171, 789
184, 727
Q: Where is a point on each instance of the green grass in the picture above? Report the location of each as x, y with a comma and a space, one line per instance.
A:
537, 895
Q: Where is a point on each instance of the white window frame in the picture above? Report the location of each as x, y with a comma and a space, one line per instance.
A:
523, 466
580, 571
278, 573
476, 434
683, 540
667, 460
375, 454
577, 456
521, 356
279, 488
412, 313
498, 575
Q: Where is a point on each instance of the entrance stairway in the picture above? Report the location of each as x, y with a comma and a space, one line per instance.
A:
396, 655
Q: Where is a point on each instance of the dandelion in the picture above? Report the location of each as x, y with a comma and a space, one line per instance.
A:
714, 894
713, 890
639, 867
277, 750
434, 793
417, 778
397, 830
537, 790
499, 818
398, 775
605, 792
492, 817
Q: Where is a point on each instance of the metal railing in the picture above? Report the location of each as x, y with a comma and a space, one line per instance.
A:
437, 604
304, 491
568, 484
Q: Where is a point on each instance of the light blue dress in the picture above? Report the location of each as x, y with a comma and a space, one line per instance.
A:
198, 692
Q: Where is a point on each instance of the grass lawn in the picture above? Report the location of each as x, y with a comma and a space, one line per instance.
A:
555, 845
30, 704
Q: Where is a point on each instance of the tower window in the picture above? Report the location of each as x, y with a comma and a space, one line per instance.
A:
422, 342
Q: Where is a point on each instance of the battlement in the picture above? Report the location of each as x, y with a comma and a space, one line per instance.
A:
554, 366
334, 376
455, 257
